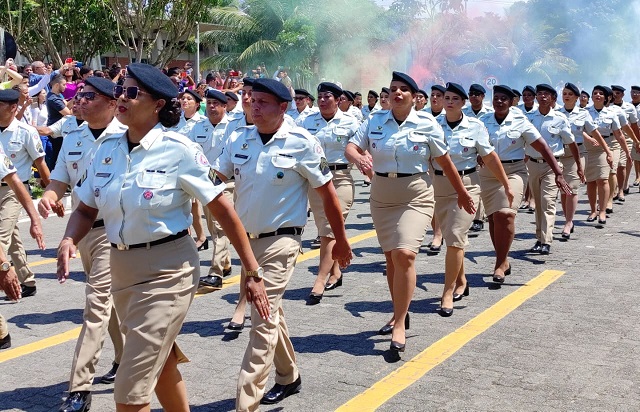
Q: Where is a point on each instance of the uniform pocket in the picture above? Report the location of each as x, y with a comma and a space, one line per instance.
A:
282, 168
149, 184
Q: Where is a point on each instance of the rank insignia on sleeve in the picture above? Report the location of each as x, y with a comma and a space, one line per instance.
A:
39, 147
324, 166
212, 175
7, 163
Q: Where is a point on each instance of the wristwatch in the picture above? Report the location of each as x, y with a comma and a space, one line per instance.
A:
258, 273
5, 266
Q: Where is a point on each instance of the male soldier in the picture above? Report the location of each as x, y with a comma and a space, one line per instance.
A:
60, 129
556, 131
624, 168
528, 99
97, 107
476, 107
301, 110
22, 145
8, 279
274, 164
209, 133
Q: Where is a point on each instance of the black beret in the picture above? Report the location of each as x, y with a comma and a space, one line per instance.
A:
348, 95
608, 89
516, 92
12, 96
439, 88
477, 88
504, 90
373, 93
102, 85
329, 87
602, 89
356, 94
385, 90
216, 94
618, 88
636, 88
457, 89
574, 89
529, 88
406, 79
152, 80
231, 95
313, 99
195, 95
272, 87
588, 95
546, 87
302, 92
424, 93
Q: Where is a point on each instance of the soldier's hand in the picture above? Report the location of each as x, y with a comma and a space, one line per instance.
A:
583, 179
10, 284
66, 251
510, 195
563, 185
465, 201
58, 208
257, 295
610, 160
36, 233
45, 206
342, 253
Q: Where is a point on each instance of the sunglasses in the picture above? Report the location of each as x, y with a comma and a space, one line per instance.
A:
299, 98
86, 95
475, 94
130, 93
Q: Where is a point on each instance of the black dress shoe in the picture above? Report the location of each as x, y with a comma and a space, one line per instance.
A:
237, 327
616, 197
445, 312
545, 249
567, 235
314, 298
626, 192
458, 296
608, 211
110, 376
28, 290
396, 346
226, 272
331, 286
387, 329
591, 219
602, 221
508, 271
211, 281
315, 243
537, 248
5, 343
204, 245
477, 226
77, 402
279, 392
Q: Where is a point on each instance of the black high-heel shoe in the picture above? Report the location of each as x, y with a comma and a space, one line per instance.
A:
458, 296
396, 346
314, 298
204, 245
237, 327
444, 312
331, 286
387, 329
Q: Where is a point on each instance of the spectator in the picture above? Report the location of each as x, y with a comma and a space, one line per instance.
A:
57, 109
14, 78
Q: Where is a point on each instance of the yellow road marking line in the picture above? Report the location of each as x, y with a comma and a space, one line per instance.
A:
74, 333
409, 373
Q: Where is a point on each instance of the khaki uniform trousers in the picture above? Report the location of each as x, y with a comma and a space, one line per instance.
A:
480, 215
269, 342
221, 257
542, 182
99, 314
10, 240
4, 328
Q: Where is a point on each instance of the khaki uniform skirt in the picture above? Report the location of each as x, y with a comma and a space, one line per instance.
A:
401, 209
635, 156
345, 189
492, 191
455, 222
596, 166
152, 291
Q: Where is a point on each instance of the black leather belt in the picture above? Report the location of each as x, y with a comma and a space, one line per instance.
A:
98, 223
511, 161
542, 160
26, 182
460, 172
147, 245
338, 167
395, 175
281, 231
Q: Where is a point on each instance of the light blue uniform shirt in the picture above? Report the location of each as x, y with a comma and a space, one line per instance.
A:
6, 167
146, 195
605, 120
404, 148
209, 137
555, 130
22, 144
580, 122
510, 138
333, 135
468, 140
272, 180
468, 111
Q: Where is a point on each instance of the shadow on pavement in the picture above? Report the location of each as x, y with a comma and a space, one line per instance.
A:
67, 315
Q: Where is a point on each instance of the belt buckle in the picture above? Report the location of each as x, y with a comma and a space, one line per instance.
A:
393, 175
253, 235
122, 246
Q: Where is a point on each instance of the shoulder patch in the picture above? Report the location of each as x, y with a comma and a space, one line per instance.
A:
324, 166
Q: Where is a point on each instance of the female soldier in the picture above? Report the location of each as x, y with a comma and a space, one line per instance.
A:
509, 132
384, 98
332, 128
143, 183
467, 139
401, 141
600, 157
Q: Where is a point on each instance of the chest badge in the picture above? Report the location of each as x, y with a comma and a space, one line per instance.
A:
416, 148
106, 161
339, 138
466, 149
280, 175
96, 192
13, 155
373, 145
379, 127
75, 166
245, 146
513, 142
79, 143
236, 172
147, 194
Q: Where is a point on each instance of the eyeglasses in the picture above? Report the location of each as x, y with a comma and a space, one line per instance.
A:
130, 92
86, 95
298, 98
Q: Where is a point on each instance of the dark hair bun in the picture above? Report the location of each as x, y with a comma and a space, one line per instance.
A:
170, 113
